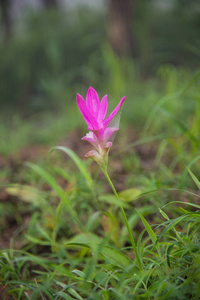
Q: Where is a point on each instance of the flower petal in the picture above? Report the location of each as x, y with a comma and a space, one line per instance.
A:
89, 119
113, 113
108, 145
107, 133
95, 155
102, 109
91, 138
92, 101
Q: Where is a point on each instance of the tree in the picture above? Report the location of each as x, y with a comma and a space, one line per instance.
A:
119, 27
50, 3
5, 17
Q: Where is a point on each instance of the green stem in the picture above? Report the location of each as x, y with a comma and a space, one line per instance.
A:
125, 220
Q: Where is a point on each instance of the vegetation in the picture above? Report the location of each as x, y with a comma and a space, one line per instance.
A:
62, 231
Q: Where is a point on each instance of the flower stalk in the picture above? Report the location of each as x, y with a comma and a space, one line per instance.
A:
125, 221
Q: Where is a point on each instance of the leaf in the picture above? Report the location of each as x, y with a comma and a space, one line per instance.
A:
185, 203
113, 255
79, 273
64, 295
112, 199
80, 164
87, 239
163, 214
63, 285
116, 257
74, 294
169, 249
48, 178
150, 232
68, 289
194, 177
25, 193
37, 241
129, 195
92, 220
183, 177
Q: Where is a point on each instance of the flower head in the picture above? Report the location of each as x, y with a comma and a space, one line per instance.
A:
94, 113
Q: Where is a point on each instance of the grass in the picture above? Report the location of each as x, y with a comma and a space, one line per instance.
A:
67, 235
62, 228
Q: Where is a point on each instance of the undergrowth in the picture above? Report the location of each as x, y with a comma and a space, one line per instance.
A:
62, 229
70, 241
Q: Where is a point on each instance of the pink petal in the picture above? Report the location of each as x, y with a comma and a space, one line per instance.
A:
95, 155
89, 119
91, 138
113, 113
92, 101
99, 133
108, 145
108, 132
102, 109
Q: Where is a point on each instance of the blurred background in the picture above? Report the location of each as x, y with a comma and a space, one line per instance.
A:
52, 49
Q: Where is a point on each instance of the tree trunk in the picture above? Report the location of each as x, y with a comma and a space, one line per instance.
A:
5, 17
50, 3
119, 27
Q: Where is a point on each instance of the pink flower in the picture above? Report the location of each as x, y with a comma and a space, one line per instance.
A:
94, 111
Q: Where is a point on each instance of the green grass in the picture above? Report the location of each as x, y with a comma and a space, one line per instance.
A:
62, 229
76, 246
69, 239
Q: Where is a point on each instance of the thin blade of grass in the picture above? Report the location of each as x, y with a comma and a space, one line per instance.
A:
193, 177
150, 232
79, 163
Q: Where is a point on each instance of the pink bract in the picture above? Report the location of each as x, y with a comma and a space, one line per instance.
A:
99, 141
94, 111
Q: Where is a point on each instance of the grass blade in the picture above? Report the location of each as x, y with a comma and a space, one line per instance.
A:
193, 177
79, 163
150, 232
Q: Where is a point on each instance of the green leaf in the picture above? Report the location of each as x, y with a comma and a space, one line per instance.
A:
150, 232
185, 203
116, 257
37, 241
112, 199
64, 296
194, 177
163, 214
69, 289
80, 164
25, 193
74, 294
169, 249
79, 273
89, 240
129, 195
92, 220
113, 255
